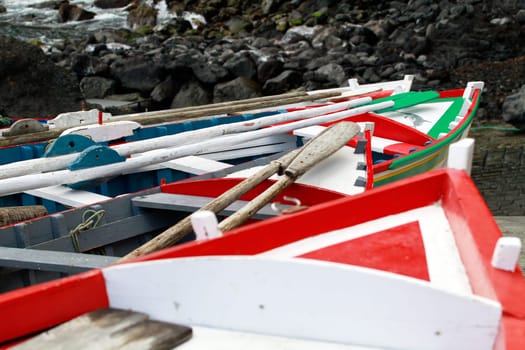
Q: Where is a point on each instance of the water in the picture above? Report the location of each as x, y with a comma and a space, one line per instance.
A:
29, 20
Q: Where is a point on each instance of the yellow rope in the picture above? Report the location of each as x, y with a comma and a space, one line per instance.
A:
90, 219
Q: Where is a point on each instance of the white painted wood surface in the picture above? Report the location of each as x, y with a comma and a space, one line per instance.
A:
74, 119
105, 132
305, 299
68, 196
460, 155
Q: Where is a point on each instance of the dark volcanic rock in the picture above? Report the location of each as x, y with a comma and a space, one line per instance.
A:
191, 94
111, 4
32, 85
514, 109
237, 89
68, 12
282, 83
137, 73
97, 87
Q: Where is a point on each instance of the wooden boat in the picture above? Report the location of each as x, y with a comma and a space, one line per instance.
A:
417, 264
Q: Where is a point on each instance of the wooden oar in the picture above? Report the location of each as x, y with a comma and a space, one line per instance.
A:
296, 163
317, 149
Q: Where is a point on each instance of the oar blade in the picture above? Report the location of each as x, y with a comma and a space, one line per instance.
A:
321, 147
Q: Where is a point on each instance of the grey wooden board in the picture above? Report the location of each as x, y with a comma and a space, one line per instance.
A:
110, 233
189, 203
106, 329
23, 258
514, 226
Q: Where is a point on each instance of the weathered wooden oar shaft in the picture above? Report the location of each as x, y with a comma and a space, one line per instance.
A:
38, 165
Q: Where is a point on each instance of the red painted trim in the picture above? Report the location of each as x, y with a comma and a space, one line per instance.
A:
39, 307
401, 148
513, 333
308, 195
476, 233
451, 93
398, 249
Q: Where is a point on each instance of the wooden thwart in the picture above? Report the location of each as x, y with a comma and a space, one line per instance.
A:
111, 329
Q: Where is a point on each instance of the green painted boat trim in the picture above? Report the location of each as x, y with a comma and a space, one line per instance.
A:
449, 116
433, 163
456, 135
407, 99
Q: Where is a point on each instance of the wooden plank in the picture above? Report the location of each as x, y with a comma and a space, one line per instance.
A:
22, 258
189, 203
68, 196
111, 329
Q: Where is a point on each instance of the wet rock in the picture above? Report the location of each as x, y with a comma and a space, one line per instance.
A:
97, 87
2, 9
331, 73
111, 4
191, 93
269, 67
32, 85
282, 83
298, 33
142, 15
209, 72
268, 6
164, 91
241, 65
137, 73
514, 109
236, 89
68, 12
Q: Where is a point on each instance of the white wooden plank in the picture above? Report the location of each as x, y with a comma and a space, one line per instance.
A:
191, 164
68, 196
104, 132
305, 299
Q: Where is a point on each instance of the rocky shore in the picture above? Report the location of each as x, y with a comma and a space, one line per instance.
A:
268, 47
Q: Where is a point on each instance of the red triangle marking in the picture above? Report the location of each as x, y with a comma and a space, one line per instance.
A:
398, 249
